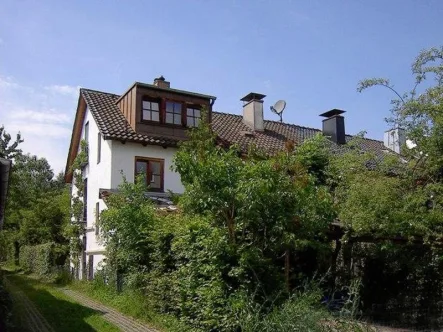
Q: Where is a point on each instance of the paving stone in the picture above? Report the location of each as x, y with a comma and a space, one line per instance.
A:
124, 322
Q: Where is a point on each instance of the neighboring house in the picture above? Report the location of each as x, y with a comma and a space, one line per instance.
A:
5, 168
139, 132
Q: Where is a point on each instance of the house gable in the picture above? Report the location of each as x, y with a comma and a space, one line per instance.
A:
75, 137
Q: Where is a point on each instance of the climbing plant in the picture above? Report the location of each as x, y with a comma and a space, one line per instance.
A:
75, 229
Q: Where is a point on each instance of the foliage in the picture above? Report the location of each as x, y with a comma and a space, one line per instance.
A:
239, 218
8, 149
37, 209
130, 302
74, 229
42, 259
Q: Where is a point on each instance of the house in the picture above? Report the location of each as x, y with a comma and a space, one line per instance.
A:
139, 130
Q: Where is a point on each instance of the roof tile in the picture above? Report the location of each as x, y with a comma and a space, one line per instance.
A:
228, 127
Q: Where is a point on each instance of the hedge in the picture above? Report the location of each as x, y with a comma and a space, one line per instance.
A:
41, 259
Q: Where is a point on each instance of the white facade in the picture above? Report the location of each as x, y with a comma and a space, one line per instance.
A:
106, 172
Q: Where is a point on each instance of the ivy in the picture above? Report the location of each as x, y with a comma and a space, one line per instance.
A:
75, 229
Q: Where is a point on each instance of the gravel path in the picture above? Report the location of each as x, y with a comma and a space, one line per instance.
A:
125, 323
32, 319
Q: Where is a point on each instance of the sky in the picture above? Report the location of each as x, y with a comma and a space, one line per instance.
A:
311, 53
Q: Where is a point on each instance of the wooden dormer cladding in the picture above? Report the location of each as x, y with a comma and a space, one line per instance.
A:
127, 103
131, 105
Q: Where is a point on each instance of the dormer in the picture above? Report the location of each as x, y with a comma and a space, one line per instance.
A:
156, 109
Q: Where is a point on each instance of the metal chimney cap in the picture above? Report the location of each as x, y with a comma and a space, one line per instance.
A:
253, 96
333, 112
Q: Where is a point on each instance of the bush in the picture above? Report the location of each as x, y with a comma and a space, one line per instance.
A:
43, 259
7, 249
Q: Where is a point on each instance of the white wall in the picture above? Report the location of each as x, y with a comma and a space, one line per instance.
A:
115, 158
123, 159
99, 176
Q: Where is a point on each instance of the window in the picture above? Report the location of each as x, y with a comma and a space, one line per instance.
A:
173, 113
152, 169
150, 110
85, 200
87, 132
99, 147
193, 117
97, 218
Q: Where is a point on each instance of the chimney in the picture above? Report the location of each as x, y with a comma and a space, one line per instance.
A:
253, 111
394, 139
334, 125
162, 83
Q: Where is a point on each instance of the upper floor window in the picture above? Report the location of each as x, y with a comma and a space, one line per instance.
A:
152, 171
173, 113
193, 117
99, 147
87, 132
150, 110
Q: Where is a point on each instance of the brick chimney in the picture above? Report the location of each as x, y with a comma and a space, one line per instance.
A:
162, 83
253, 111
334, 126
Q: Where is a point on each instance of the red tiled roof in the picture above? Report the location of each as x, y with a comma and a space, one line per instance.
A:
228, 127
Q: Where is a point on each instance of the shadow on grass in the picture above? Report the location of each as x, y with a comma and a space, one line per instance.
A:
61, 314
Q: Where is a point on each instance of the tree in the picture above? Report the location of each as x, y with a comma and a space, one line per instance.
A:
420, 113
8, 149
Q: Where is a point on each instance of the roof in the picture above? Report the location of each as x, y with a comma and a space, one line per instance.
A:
155, 87
111, 121
5, 167
229, 128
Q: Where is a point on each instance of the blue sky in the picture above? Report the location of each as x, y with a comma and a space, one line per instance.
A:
310, 53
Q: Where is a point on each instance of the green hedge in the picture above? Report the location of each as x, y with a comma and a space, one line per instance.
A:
42, 259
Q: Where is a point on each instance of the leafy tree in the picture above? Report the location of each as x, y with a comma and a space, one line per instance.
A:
8, 149
420, 113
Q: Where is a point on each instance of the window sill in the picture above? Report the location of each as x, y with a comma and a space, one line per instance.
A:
158, 123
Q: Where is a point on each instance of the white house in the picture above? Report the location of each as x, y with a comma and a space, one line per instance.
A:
139, 130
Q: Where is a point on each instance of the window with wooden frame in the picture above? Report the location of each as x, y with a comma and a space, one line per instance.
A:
173, 113
150, 110
193, 116
152, 170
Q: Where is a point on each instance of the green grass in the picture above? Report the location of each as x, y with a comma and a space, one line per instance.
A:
131, 303
62, 313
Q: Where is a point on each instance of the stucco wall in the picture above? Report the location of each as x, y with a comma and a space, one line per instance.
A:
107, 174
123, 159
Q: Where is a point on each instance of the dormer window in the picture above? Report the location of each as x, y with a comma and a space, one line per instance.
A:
193, 116
150, 110
173, 113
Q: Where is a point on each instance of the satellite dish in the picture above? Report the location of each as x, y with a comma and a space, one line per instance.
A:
278, 108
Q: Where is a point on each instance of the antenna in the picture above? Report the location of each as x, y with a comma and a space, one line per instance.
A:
278, 108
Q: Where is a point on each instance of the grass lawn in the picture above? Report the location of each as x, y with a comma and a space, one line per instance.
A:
62, 313
130, 303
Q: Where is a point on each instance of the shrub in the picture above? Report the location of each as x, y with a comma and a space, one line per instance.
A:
42, 259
